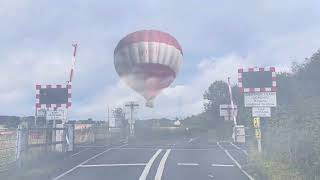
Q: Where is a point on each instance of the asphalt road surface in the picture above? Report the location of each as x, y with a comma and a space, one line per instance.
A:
178, 159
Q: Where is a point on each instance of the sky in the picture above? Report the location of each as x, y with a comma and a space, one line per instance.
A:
217, 38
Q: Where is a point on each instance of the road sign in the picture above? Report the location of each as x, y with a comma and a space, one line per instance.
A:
239, 134
257, 80
258, 133
53, 96
261, 112
256, 122
59, 114
226, 110
260, 99
112, 122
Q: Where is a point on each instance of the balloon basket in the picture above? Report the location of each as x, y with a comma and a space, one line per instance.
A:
149, 104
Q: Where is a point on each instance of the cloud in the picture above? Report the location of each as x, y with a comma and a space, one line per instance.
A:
176, 101
216, 37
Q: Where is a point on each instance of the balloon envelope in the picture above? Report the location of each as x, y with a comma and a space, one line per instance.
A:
148, 61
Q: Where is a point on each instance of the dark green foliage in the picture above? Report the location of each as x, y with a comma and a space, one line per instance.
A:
293, 136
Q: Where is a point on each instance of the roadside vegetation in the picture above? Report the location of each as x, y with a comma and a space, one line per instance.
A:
291, 137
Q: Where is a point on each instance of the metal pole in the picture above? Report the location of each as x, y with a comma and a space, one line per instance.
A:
108, 118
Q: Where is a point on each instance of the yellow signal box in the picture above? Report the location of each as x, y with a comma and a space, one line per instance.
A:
258, 133
256, 122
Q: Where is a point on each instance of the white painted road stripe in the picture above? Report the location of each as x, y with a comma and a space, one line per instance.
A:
93, 157
112, 165
222, 165
187, 164
91, 146
146, 170
193, 139
190, 149
80, 152
161, 165
244, 151
236, 162
173, 149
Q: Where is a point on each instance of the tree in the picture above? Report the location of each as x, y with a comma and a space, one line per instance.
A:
216, 94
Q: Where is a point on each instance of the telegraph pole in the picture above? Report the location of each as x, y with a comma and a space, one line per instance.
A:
132, 105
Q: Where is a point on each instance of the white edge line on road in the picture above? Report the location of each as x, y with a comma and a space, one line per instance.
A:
244, 151
146, 170
80, 152
112, 165
236, 162
75, 167
161, 165
187, 164
222, 165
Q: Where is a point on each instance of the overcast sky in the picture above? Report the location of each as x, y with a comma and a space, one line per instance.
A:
217, 37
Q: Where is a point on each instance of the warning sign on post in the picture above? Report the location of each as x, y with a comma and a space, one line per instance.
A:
260, 99
261, 112
56, 115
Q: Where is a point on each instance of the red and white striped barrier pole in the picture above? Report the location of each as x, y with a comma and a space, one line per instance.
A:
75, 46
232, 104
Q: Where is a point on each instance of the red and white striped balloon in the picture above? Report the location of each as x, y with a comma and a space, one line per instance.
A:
148, 61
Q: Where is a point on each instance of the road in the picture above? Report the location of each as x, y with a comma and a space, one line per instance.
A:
178, 159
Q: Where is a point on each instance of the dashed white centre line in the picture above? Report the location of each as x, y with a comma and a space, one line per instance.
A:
222, 165
161, 165
188, 164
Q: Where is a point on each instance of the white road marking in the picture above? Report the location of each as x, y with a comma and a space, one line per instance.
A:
112, 165
146, 170
91, 146
187, 164
93, 157
222, 165
244, 151
80, 152
161, 165
211, 176
173, 149
193, 139
236, 162
138, 148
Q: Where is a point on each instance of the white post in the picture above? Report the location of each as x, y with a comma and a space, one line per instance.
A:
259, 145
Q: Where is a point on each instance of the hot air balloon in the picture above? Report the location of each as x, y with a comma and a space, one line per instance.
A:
148, 61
